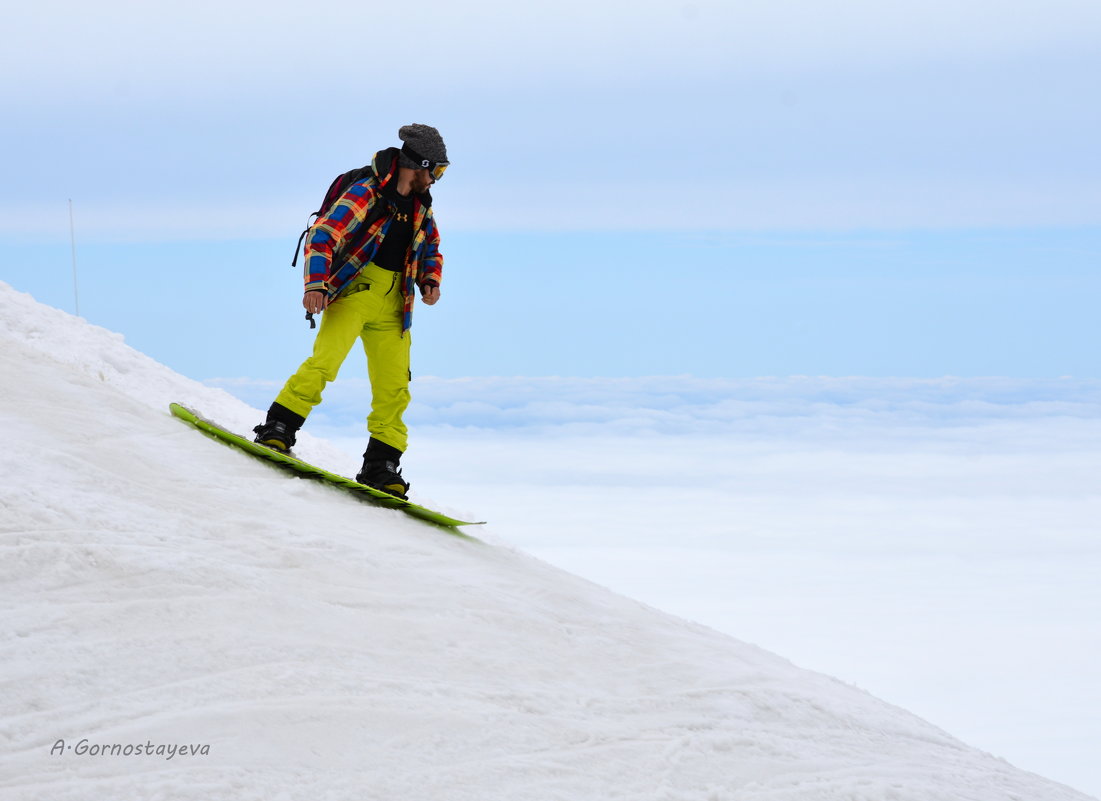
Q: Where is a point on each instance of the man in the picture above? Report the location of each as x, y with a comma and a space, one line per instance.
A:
365, 260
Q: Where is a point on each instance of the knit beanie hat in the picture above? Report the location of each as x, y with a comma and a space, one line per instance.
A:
425, 141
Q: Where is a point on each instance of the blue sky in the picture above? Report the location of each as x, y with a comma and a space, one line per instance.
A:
1018, 303
638, 188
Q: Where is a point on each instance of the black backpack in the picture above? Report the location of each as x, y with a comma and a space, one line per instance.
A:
337, 189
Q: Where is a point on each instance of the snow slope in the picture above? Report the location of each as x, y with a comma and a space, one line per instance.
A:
160, 590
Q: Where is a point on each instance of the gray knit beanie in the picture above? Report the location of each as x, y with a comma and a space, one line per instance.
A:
425, 141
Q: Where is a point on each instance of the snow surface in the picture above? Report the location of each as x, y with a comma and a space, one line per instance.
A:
158, 589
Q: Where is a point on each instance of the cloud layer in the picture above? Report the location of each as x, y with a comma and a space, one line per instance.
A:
716, 115
679, 405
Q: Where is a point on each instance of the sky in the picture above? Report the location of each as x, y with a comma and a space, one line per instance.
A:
720, 189
919, 304
226, 119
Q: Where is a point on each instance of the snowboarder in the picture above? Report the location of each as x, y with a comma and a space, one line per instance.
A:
366, 258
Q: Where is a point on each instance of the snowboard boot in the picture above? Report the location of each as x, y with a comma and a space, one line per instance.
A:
381, 471
278, 431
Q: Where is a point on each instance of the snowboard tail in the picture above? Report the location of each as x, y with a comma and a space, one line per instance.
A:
306, 469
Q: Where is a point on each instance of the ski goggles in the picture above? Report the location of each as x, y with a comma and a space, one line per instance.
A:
435, 168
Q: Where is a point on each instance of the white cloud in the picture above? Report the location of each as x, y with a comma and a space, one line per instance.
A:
815, 408
893, 198
221, 45
786, 114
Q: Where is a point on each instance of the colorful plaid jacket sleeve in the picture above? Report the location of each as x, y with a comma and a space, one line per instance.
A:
428, 258
424, 266
330, 231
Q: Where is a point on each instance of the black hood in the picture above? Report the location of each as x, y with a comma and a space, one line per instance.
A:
385, 165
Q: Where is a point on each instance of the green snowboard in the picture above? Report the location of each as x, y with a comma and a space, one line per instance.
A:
369, 493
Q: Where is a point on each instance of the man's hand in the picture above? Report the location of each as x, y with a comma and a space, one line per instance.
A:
315, 301
430, 294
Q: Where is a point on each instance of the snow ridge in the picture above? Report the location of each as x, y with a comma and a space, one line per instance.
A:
282, 640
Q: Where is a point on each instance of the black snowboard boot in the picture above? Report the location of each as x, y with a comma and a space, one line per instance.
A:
278, 431
381, 471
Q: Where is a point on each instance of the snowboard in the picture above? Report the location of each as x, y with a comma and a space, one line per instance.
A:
306, 469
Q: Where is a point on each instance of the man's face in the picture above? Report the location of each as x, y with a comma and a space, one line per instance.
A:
422, 179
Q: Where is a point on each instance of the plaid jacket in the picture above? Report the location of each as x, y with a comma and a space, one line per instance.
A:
423, 260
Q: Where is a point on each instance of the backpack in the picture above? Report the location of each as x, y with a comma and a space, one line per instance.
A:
337, 189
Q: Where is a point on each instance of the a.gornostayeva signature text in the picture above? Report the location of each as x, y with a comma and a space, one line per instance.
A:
85, 747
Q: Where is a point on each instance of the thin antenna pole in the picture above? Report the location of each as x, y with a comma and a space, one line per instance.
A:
72, 242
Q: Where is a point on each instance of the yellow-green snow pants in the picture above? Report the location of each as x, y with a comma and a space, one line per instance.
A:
370, 309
